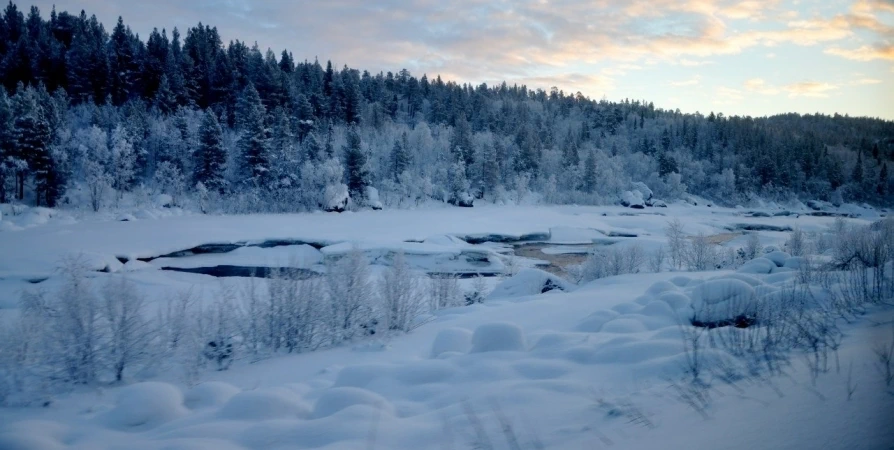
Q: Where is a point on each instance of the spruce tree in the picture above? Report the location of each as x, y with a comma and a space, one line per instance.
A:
253, 142
356, 172
590, 173
211, 156
32, 142
883, 181
400, 157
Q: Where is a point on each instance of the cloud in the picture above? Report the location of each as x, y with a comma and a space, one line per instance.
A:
690, 82
809, 89
864, 53
760, 86
521, 41
865, 81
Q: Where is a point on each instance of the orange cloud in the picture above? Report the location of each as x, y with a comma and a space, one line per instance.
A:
809, 89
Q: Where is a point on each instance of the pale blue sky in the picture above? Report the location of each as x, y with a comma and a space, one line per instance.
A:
737, 57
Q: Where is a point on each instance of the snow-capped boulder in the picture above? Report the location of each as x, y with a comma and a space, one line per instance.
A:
126, 218
657, 203
778, 257
723, 302
335, 198
164, 201
372, 198
758, 266
464, 200
644, 192
632, 199
530, 282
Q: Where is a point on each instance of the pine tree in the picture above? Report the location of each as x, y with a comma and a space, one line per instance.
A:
165, 100
857, 174
253, 142
356, 172
590, 173
32, 148
211, 156
883, 181
400, 157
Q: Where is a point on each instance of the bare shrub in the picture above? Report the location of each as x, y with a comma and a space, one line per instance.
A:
676, 241
656, 259
700, 254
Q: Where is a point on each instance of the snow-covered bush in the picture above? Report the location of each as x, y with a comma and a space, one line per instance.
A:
401, 293
611, 261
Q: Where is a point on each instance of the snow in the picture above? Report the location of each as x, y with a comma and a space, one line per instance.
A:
209, 394
265, 404
566, 368
144, 406
529, 282
723, 300
452, 340
494, 337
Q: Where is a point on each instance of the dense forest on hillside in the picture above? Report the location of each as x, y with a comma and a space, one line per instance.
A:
90, 118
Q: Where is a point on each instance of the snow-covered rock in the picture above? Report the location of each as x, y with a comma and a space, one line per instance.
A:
758, 266
778, 257
530, 282
632, 199
644, 192
164, 201
723, 302
126, 217
335, 198
464, 200
372, 198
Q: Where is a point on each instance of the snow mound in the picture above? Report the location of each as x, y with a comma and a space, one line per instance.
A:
339, 398
360, 375
795, 262
494, 337
135, 265
451, 340
22, 441
126, 217
100, 262
146, 405
662, 286
265, 404
722, 302
676, 300
778, 257
594, 322
758, 266
624, 325
372, 198
209, 394
530, 282
680, 281
425, 372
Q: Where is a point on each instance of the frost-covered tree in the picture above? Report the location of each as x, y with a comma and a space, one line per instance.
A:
130, 334
356, 170
253, 140
400, 290
211, 156
123, 162
350, 292
98, 183
170, 180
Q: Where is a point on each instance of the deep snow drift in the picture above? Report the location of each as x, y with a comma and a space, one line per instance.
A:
587, 366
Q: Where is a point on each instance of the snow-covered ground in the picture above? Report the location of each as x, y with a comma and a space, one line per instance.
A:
587, 366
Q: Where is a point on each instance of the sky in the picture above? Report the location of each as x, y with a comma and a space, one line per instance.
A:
751, 57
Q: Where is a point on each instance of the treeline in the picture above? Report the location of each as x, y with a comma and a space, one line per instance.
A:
89, 117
